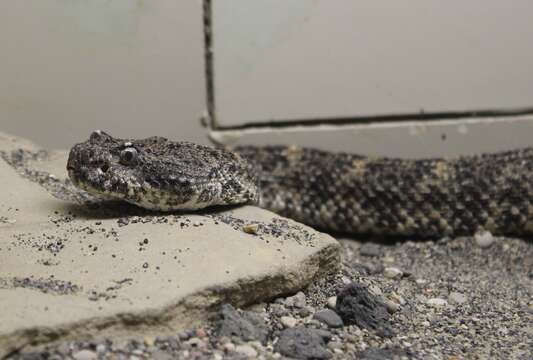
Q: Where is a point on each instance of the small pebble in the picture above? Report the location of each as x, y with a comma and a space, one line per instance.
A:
288, 321
484, 239
437, 302
332, 302
297, 301
229, 347
246, 350
201, 333
334, 345
392, 273
184, 335
85, 355
306, 311
138, 352
376, 290
397, 298
392, 306
149, 341
250, 228
457, 298
329, 317
258, 308
346, 280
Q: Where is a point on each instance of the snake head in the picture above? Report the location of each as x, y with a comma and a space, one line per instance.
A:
159, 174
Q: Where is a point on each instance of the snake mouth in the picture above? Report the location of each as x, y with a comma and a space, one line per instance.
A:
96, 182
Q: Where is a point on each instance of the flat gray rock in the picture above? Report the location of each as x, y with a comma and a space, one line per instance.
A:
85, 270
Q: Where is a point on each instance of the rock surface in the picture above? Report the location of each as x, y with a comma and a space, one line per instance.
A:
71, 270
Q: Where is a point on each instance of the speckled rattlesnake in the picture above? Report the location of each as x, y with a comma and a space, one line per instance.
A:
332, 191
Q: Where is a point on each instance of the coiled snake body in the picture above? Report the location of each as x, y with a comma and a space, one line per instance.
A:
331, 191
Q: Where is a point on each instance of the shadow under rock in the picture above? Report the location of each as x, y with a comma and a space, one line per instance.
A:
114, 209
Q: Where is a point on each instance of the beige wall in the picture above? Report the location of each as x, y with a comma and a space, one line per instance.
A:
132, 67
300, 59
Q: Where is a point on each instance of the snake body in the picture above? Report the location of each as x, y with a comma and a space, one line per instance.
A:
338, 192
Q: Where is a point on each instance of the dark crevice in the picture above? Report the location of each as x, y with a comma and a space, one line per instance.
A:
209, 65
352, 120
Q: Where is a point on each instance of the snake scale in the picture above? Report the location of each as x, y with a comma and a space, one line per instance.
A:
338, 192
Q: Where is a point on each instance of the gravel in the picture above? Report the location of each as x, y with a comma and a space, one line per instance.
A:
482, 308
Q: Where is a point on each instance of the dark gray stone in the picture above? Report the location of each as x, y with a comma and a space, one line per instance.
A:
303, 343
329, 317
246, 325
356, 305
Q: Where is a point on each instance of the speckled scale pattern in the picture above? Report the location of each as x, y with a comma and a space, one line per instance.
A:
385, 196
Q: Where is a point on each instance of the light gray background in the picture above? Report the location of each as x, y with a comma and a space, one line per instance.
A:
131, 67
135, 68
300, 59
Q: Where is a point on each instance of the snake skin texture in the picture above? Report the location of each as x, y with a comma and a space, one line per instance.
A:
159, 174
338, 192
385, 196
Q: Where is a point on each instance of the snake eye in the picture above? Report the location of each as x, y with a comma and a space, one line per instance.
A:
128, 156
